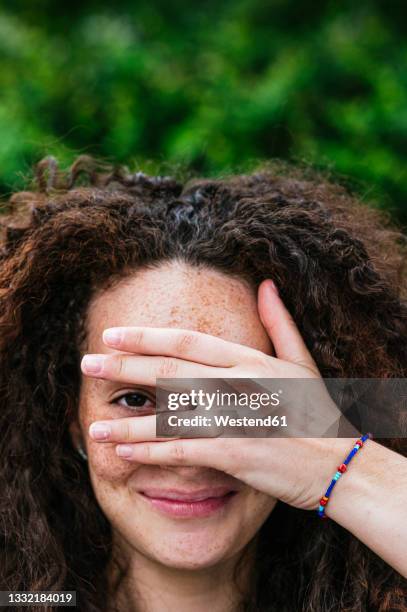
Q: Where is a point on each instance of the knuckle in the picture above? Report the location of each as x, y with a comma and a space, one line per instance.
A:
259, 360
117, 365
147, 451
127, 431
167, 367
184, 341
138, 338
178, 452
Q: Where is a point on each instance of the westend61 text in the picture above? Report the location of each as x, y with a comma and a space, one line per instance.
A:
227, 421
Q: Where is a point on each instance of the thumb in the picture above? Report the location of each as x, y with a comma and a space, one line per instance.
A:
281, 328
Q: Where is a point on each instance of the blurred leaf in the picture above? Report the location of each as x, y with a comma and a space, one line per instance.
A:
211, 85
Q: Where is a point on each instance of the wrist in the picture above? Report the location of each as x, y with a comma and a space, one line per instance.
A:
329, 453
369, 501
367, 486
346, 476
349, 488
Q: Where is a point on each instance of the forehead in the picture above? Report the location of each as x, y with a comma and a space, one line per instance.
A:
179, 295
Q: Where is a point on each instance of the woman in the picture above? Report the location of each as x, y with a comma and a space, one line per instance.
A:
266, 275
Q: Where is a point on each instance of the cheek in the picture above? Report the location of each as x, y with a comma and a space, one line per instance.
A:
106, 466
109, 476
258, 506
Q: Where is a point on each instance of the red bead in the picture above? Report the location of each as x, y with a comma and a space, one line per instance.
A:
342, 468
359, 443
323, 501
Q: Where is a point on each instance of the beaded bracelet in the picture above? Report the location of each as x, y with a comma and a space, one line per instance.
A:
341, 469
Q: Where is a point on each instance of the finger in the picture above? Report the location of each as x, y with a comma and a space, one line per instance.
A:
213, 452
145, 370
280, 326
183, 343
144, 429
129, 429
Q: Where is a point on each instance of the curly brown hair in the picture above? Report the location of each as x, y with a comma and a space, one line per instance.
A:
340, 269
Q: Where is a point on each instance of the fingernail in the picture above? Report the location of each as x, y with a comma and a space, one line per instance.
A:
124, 451
272, 286
92, 363
99, 431
112, 335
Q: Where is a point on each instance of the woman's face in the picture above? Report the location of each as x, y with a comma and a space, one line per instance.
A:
173, 295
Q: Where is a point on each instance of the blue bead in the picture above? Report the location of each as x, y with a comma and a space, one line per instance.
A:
338, 474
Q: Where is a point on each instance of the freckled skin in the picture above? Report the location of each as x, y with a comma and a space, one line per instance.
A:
173, 295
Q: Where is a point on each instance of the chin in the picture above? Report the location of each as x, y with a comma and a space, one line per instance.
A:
192, 551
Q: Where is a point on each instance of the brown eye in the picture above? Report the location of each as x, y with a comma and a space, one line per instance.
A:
136, 401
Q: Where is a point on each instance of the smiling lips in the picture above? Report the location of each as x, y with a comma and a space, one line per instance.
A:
189, 504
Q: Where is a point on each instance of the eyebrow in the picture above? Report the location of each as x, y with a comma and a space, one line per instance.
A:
107, 384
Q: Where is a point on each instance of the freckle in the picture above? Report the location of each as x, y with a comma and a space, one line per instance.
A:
174, 311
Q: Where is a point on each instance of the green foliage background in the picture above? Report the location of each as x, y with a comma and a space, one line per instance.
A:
211, 84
